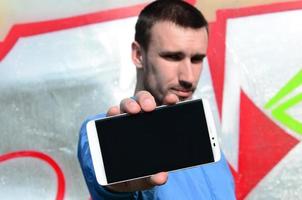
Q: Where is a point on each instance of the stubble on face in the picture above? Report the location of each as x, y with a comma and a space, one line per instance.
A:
173, 61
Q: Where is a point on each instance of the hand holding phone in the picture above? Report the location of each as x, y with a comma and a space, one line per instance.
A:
144, 102
167, 139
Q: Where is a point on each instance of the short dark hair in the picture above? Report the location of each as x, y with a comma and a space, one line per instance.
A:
176, 11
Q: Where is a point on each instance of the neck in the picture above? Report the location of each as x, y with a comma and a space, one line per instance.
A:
139, 82
140, 86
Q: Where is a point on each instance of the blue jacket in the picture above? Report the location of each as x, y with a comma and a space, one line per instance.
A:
210, 181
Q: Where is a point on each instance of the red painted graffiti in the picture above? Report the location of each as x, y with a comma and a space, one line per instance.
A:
257, 153
36, 28
41, 156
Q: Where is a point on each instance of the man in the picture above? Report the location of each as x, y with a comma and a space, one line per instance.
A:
169, 48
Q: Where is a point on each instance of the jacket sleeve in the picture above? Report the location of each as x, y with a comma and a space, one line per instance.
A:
97, 192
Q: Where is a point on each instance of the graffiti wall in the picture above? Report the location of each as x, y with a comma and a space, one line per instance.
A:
256, 69
61, 61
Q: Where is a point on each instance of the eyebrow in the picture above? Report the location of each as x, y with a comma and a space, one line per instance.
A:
168, 53
180, 53
199, 56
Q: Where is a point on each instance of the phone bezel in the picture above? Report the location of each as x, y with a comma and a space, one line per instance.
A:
96, 153
212, 130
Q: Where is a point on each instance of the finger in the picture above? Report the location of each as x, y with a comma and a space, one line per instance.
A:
159, 179
170, 99
131, 186
146, 101
114, 110
130, 106
140, 184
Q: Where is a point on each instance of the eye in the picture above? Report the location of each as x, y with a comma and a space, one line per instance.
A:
173, 56
197, 59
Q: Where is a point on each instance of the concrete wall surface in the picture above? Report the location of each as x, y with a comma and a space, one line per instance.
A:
62, 61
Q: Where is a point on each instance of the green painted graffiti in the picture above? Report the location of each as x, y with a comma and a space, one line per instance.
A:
279, 113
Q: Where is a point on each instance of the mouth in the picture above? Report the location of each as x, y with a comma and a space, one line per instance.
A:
182, 93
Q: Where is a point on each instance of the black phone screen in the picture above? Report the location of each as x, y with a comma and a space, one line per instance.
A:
169, 138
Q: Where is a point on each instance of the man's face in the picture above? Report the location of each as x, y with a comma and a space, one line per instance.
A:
173, 61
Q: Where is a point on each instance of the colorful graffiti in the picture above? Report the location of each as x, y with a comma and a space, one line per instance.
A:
45, 158
267, 133
261, 142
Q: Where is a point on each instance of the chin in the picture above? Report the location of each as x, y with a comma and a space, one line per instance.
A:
184, 98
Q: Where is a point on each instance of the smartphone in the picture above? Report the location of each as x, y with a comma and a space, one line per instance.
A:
128, 147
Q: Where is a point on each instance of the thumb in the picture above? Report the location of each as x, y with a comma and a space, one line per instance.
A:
170, 99
159, 178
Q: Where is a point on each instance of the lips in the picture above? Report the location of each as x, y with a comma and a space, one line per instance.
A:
183, 93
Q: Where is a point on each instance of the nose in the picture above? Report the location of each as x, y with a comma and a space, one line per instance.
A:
186, 76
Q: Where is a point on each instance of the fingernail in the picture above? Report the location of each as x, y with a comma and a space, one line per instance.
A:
134, 98
132, 103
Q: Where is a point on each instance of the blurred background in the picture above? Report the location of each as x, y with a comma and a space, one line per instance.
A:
62, 61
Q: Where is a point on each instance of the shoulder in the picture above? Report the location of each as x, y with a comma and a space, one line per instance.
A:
83, 146
94, 117
83, 131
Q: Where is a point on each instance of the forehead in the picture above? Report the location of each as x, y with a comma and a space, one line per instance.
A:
171, 37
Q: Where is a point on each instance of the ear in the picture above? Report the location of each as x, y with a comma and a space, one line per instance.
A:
137, 55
